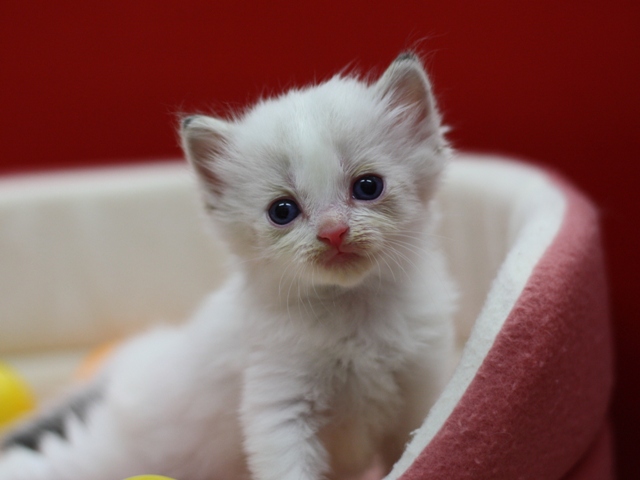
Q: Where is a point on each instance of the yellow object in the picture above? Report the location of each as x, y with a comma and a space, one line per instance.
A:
149, 477
16, 397
92, 363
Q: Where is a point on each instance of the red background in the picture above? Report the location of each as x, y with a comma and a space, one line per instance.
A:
93, 83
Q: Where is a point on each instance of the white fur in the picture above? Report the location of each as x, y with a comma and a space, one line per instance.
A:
295, 370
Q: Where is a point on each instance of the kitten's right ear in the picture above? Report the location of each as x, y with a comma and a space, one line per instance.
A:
204, 141
407, 89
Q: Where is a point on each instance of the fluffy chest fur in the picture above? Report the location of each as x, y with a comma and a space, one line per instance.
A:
346, 358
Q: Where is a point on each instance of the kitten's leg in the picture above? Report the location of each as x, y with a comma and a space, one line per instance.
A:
420, 387
280, 424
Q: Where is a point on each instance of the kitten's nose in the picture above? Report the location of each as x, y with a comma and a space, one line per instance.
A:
333, 235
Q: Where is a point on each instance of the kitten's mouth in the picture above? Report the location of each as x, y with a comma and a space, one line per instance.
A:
338, 257
345, 266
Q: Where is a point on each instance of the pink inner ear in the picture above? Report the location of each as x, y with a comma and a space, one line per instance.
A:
406, 86
410, 92
203, 147
207, 176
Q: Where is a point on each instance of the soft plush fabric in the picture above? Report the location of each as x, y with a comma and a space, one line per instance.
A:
92, 256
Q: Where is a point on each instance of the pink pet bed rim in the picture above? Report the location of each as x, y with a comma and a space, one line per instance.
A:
540, 398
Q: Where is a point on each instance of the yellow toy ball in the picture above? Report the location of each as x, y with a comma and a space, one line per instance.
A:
149, 477
16, 397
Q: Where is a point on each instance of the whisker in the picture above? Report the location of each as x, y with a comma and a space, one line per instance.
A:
281, 280
315, 291
372, 259
397, 262
409, 252
288, 298
390, 269
424, 253
420, 233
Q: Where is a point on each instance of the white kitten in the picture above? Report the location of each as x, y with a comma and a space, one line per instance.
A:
331, 341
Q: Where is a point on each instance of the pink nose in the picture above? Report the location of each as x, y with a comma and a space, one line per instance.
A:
334, 235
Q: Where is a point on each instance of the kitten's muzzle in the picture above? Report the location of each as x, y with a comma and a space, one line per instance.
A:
334, 234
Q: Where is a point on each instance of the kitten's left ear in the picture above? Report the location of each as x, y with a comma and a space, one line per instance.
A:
406, 87
204, 141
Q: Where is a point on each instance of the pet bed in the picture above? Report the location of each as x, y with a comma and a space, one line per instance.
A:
92, 256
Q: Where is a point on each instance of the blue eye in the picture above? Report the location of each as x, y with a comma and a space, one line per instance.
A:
283, 211
368, 187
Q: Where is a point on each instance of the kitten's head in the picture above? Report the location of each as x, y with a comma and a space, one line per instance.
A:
328, 183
